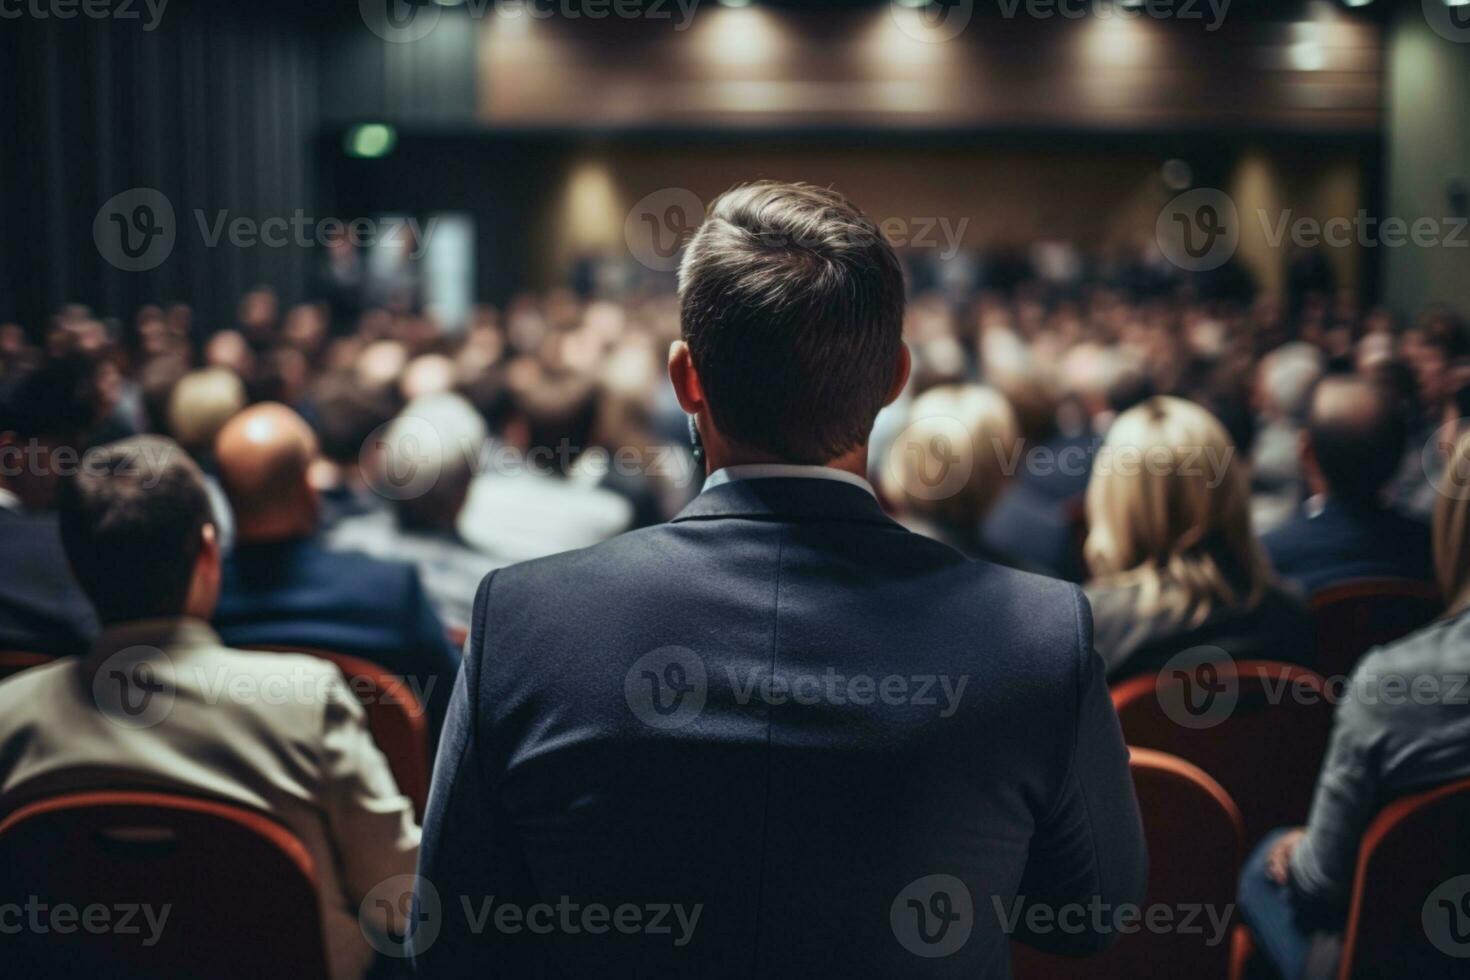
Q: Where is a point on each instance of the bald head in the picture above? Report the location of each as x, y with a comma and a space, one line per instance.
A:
1355, 436
263, 455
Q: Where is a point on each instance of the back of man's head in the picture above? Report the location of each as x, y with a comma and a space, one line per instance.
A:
45, 410
444, 435
791, 303
263, 456
347, 414
132, 521
1356, 435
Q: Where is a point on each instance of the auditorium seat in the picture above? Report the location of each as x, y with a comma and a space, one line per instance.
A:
395, 716
239, 890
1405, 896
1195, 846
1266, 749
1353, 617
15, 661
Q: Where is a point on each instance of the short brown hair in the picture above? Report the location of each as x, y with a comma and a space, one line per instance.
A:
130, 520
792, 305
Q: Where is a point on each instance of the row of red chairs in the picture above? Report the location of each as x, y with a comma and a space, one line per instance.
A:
1207, 794
242, 890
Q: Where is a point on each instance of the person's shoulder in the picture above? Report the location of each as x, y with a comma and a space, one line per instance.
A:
27, 686
1284, 542
625, 552
358, 569
1433, 650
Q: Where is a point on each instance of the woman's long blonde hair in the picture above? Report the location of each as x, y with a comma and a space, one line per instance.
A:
1169, 508
1452, 528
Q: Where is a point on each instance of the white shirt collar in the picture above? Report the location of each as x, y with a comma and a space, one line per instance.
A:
787, 471
9, 501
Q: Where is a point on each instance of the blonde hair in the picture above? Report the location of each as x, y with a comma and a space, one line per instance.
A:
1452, 528
1169, 508
966, 432
200, 405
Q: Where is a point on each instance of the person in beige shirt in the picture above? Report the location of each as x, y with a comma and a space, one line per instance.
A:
161, 704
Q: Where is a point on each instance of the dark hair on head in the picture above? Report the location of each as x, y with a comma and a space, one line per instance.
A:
57, 399
792, 305
1358, 447
345, 413
130, 521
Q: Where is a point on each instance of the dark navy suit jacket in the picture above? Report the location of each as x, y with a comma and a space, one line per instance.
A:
42, 609
821, 744
1343, 542
297, 592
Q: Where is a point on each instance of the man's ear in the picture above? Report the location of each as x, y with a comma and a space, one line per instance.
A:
901, 368
208, 540
685, 379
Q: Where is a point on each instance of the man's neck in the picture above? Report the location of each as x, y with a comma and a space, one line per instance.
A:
854, 461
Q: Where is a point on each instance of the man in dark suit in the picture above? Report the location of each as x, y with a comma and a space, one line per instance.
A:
1351, 448
43, 417
283, 588
780, 735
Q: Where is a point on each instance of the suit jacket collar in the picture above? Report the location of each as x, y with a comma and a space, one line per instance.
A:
787, 499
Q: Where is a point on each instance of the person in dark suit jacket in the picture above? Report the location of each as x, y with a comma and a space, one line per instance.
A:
42, 609
1351, 449
780, 736
282, 587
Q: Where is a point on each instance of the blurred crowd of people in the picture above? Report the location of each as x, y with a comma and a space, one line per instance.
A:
1202, 467
548, 425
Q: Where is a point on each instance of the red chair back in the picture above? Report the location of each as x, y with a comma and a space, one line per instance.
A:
1263, 737
238, 890
1410, 913
15, 661
1195, 846
1353, 617
394, 716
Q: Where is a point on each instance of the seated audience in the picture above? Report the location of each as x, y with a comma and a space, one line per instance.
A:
1173, 559
1353, 442
282, 587
951, 463
136, 524
1385, 743
44, 413
421, 525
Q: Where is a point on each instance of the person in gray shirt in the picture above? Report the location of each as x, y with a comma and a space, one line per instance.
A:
1403, 726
